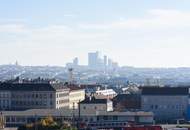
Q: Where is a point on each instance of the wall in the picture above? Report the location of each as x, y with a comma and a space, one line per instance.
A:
5, 100
165, 107
62, 98
75, 96
92, 109
32, 99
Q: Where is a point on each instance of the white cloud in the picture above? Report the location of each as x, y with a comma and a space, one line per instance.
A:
155, 18
12, 28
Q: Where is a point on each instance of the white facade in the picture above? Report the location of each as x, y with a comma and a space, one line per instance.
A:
109, 105
109, 93
75, 96
62, 99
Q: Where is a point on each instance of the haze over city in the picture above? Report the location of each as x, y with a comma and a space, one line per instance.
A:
94, 65
147, 33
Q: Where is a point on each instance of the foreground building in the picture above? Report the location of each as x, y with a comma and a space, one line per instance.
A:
99, 113
167, 103
22, 96
100, 119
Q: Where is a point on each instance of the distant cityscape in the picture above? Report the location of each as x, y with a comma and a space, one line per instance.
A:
95, 62
100, 70
100, 95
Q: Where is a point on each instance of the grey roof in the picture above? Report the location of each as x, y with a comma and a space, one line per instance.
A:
94, 101
31, 87
165, 91
121, 97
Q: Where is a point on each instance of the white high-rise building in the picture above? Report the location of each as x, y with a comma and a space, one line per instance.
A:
97, 61
93, 59
75, 61
110, 63
105, 60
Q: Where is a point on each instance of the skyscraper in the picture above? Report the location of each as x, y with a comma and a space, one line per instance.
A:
75, 61
110, 63
105, 60
93, 59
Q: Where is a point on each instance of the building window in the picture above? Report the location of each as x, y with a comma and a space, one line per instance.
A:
51, 103
91, 119
105, 117
114, 117
51, 96
45, 95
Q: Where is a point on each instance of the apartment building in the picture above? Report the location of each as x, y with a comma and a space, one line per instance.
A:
21, 96
167, 103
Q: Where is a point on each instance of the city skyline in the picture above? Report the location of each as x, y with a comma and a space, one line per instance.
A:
151, 34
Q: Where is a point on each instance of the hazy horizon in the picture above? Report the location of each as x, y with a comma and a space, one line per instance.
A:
148, 33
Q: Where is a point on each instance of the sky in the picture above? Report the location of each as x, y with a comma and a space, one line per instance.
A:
140, 33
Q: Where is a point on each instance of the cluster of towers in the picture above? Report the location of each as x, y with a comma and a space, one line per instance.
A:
96, 61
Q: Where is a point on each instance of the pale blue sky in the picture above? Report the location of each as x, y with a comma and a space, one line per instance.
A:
144, 33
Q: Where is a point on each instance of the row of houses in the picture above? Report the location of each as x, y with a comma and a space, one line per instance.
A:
22, 103
164, 103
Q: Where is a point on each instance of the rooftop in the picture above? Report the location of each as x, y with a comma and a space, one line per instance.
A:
106, 92
165, 91
121, 97
74, 87
94, 101
31, 87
